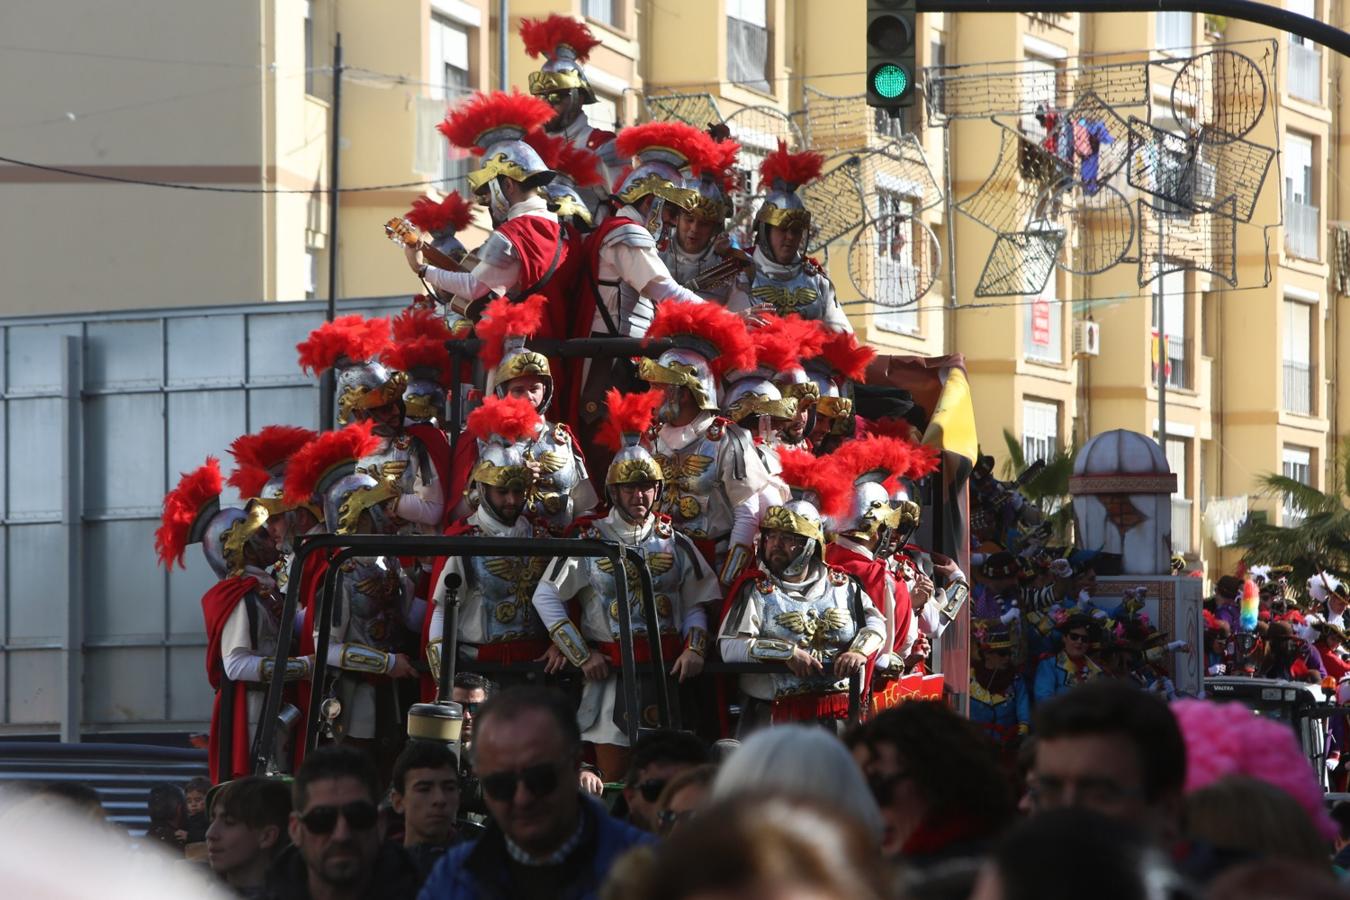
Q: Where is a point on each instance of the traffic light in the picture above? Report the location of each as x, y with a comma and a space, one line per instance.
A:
890, 53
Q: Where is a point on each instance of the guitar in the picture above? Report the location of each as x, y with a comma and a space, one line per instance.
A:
408, 235
734, 261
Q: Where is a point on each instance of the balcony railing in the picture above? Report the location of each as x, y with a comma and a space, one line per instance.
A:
1305, 72
1178, 375
1181, 525
1298, 387
1301, 224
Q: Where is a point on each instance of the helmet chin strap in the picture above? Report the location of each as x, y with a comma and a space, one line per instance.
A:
656, 222
498, 205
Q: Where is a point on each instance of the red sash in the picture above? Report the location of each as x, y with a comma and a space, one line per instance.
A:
808, 707
513, 651
671, 647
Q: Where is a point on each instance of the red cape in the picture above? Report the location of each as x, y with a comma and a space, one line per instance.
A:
438, 451
873, 574
229, 751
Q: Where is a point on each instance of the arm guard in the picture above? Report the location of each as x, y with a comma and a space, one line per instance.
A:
770, 650
567, 638
434, 659
737, 557
867, 642
297, 668
360, 658
697, 641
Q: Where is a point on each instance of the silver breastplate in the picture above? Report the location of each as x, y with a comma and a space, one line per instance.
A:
560, 475
821, 623
632, 313
374, 598
668, 571
505, 585
693, 482
396, 460
804, 293
267, 619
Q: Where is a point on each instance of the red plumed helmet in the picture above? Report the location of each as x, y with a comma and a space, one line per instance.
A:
894, 457
694, 147
423, 357
566, 158
420, 322
321, 455
507, 419
454, 213
504, 319
720, 333
783, 342
720, 164
197, 494
843, 354
542, 37
264, 455
820, 475
782, 169
629, 415
516, 113
352, 338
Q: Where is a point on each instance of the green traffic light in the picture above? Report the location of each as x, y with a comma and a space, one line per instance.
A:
889, 81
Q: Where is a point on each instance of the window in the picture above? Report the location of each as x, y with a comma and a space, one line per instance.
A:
450, 80
1040, 81
1172, 30
1296, 464
311, 273
606, 12
1301, 215
937, 58
309, 46
1040, 429
1298, 356
895, 263
1177, 451
1042, 325
1305, 59
1172, 289
748, 43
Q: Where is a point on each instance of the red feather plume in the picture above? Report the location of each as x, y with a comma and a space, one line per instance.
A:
924, 460
845, 355
794, 169
181, 506
721, 164
249, 481
511, 419
320, 455
628, 414
565, 157
420, 322
694, 145
891, 455
271, 446
505, 318
781, 343
821, 475
542, 36
483, 112
424, 354
454, 213
351, 337
711, 323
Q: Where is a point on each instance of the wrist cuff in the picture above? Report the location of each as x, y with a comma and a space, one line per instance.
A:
567, 638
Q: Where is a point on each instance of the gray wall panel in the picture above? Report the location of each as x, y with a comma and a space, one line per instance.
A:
34, 696
191, 697
123, 354
124, 454
206, 350
202, 424
271, 345
33, 478
123, 591
283, 406
124, 684
33, 616
33, 358
186, 587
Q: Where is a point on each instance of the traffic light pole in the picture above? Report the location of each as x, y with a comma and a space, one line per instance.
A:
1247, 10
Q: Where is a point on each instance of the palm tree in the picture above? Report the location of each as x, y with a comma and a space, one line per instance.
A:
1048, 489
1319, 541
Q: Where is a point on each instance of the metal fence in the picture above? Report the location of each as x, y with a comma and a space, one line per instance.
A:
1305, 72
99, 414
1298, 387
1301, 224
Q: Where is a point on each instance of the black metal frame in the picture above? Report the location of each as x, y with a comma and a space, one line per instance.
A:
349, 546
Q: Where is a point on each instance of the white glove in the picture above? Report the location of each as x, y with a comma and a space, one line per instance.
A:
1217, 669
1061, 568
1174, 646
1084, 599
1333, 762
1012, 615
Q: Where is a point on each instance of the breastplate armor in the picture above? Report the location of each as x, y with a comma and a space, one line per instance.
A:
560, 475
634, 312
684, 268
805, 293
693, 493
374, 596
821, 624
397, 460
268, 619
504, 586
667, 571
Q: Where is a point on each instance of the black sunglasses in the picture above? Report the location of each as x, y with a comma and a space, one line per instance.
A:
360, 815
540, 781
1076, 636
651, 788
471, 708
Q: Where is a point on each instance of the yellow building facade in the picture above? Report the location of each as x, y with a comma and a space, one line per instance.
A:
239, 97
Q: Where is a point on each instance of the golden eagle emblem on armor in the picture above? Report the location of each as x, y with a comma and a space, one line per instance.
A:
814, 626
549, 461
521, 573
380, 588
681, 474
658, 564
785, 300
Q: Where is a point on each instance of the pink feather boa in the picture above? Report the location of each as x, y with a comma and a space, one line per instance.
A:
1228, 739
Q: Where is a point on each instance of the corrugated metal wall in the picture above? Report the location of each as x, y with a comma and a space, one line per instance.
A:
98, 416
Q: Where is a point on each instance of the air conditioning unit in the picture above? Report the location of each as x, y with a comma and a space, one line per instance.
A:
1087, 338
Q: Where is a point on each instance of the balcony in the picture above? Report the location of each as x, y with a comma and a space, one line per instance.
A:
1298, 388
1181, 525
1305, 72
1301, 225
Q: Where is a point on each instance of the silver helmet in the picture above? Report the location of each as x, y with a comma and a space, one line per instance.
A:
799, 517
504, 428
683, 367
566, 44
756, 396
350, 346
193, 514
783, 173
347, 494
226, 534
664, 154
630, 418
496, 124
709, 341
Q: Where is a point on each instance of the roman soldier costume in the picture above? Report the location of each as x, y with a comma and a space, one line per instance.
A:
841, 362
441, 222
799, 285
576, 170
683, 584
497, 623
711, 274
242, 611
566, 44
716, 484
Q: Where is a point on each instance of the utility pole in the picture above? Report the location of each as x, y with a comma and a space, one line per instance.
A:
328, 384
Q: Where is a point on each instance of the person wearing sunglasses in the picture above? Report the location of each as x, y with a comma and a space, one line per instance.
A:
658, 759
1071, 666
334, 827
999, 701
546, 840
